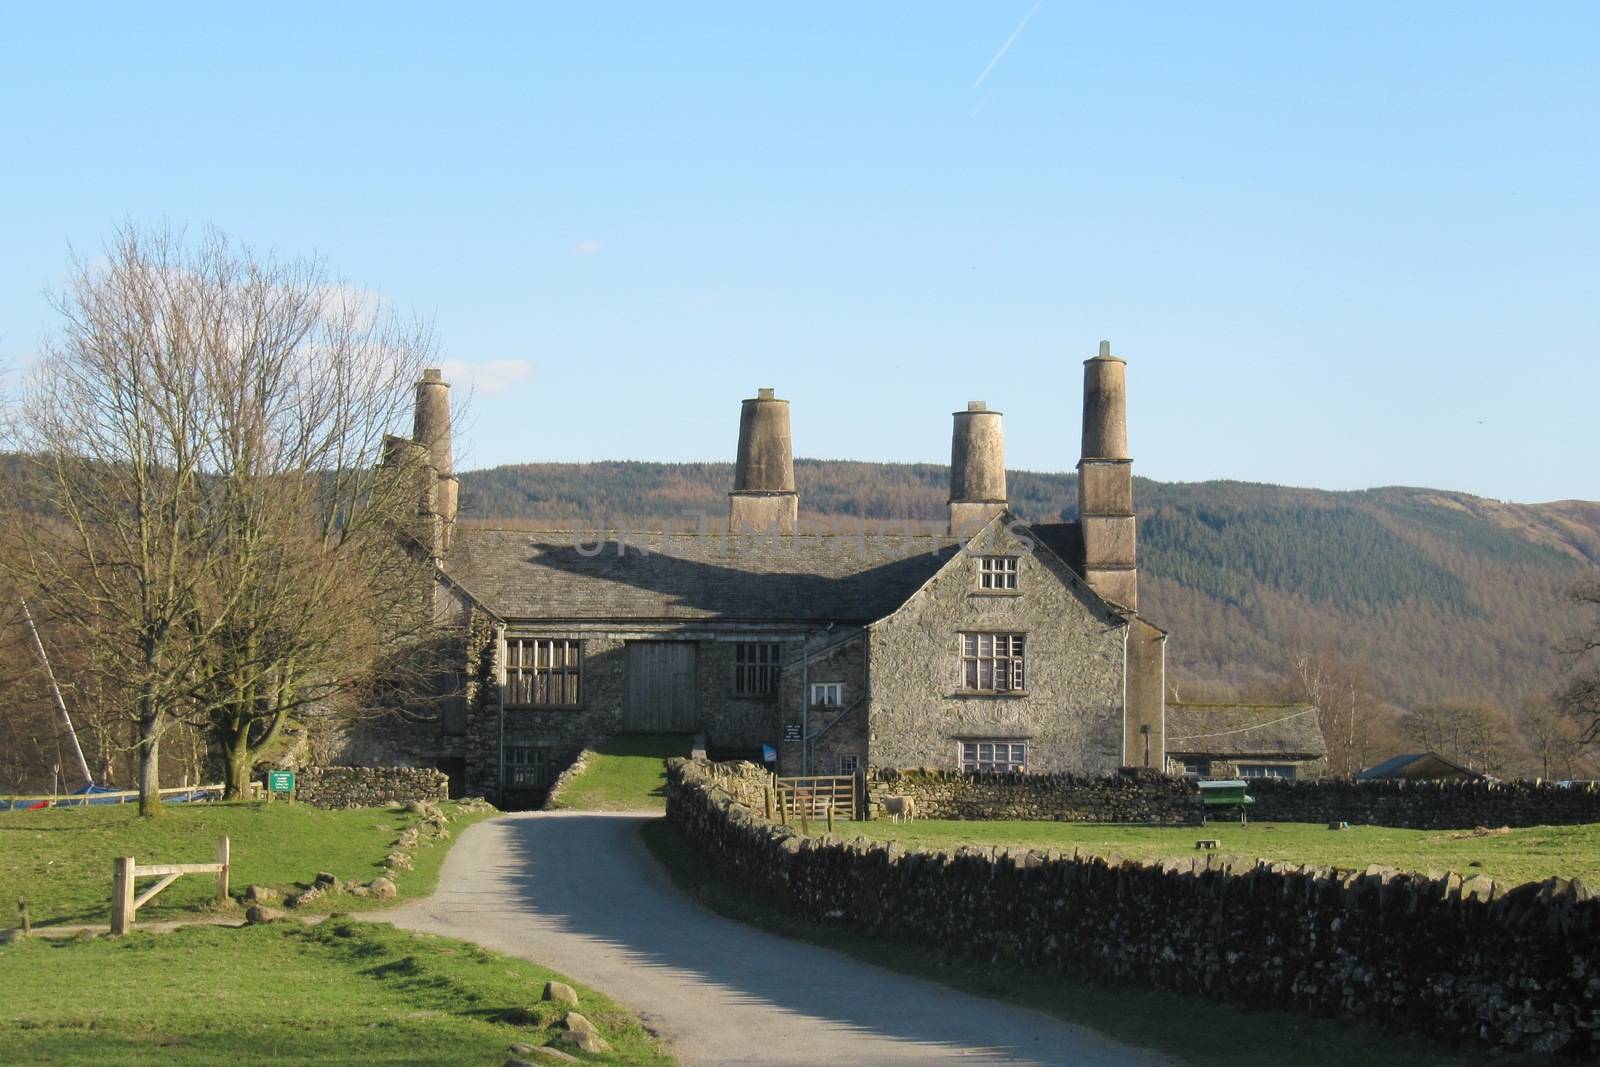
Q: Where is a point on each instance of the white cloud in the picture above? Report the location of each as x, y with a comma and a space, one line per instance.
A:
487, 378
586, 248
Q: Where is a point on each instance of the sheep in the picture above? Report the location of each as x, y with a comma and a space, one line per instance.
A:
900, 808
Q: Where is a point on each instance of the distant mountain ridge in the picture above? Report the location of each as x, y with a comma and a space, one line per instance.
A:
1439, 595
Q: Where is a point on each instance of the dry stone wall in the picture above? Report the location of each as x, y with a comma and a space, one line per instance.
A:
1131, 796
1471, 961
369, 787
1146, 796
1425, 805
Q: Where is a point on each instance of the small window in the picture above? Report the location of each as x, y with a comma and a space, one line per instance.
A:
528, 766
849, 764
991, 663
543, 672
1196, 768
827, 694
1266, 770
755, 668
997, 572
1008, 756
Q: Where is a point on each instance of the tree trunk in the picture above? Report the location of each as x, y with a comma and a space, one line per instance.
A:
236, 761
149, 771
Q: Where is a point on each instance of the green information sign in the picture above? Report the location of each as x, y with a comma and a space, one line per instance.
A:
280, 781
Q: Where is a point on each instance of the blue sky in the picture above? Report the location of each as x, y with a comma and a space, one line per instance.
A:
1340, 245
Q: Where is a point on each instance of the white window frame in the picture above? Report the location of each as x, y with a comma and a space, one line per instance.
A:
1002, 756
998, 574
849, 763
827, 694
755, 668
999, 660
1195, 766
1266, 770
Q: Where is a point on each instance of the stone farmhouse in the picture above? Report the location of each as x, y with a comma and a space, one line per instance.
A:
984, 644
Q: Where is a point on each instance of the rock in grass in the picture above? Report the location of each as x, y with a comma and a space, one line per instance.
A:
552, 1055
542, 1053
325, 878
580, 1024
561, 993
259, 914
381, 888
587, 1041
261, 894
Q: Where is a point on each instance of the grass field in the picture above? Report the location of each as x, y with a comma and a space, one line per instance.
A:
338, 994
1531, 854
627, 773
1203, 1033
60, 858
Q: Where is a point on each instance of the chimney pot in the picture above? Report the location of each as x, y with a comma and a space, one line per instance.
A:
766, 394
977, 405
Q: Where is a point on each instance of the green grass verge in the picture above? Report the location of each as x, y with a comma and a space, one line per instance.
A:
626, 773
338, 994
1526, 855
60, 858
1201, 1032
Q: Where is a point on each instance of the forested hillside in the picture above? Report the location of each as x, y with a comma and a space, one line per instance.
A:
1436, 596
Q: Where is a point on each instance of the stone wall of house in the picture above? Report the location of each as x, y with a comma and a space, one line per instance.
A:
1470, 961
369, 787
1425, 805
731, 720
833, 732
1128, 796
1071, 709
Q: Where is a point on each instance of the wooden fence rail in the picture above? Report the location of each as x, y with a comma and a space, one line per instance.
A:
121, 796
125, 905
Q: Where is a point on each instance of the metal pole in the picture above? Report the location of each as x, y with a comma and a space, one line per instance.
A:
61, 705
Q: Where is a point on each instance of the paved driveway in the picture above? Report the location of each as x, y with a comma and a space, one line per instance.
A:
579, 893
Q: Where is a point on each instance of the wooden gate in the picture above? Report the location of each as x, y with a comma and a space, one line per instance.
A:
815, 794
660, 694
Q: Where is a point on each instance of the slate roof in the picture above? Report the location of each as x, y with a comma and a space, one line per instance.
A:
530, 575
1065, 539
1265, 731
1429, 765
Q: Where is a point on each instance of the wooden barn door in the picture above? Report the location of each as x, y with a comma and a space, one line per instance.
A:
661, 687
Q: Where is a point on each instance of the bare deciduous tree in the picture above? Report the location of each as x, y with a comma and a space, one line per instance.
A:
1579, 698
206, 432
1347, 711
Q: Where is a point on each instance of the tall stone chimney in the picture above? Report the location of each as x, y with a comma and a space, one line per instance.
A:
763, 496
1105, 482
977, 468
431, 430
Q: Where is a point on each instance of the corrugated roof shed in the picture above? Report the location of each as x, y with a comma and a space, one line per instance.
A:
531, 575
1417, 765
1265, 731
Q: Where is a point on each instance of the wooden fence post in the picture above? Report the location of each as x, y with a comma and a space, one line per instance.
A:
22, 916
121, 894
222, 875
767, 798
830, 816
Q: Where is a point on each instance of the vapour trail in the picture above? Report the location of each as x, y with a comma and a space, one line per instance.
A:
1007, 45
